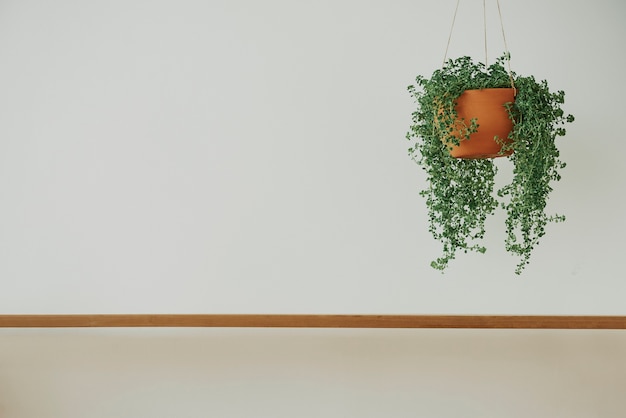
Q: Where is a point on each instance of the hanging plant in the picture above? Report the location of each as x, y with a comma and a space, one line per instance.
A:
445, 134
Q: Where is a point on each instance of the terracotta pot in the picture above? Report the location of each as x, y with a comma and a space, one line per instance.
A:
487, 106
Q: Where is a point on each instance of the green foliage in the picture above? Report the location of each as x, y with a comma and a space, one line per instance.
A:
461, 195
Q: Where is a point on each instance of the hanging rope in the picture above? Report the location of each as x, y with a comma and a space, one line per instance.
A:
485, 30
445, 56
506, 47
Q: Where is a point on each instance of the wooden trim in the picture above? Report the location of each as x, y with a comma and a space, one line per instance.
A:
314, 321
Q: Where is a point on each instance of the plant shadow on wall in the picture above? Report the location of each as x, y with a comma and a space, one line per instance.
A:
467, 115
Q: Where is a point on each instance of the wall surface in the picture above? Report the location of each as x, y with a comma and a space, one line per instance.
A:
249, 157
189, 156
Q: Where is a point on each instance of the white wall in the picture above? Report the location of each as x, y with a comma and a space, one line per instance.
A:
223, 156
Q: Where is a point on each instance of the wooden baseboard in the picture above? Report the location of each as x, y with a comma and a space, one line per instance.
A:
314, 321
